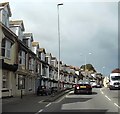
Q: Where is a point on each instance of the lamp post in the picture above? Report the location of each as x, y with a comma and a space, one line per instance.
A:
58, 42
102, 69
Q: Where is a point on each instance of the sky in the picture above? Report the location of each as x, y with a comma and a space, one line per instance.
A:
85, 27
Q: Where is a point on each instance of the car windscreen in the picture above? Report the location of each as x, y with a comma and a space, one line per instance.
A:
92, 81
115, 77
83, 82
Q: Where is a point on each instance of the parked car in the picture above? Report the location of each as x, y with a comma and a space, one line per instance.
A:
99, 86
83, 86
54, 89
42, 90
93, 84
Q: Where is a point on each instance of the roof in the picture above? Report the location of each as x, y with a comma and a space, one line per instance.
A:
48, 54
72, 67
35, 43
42, 50
60, 62
26, 35
115, 74
17, 23
77, 68
53, 58
6, 4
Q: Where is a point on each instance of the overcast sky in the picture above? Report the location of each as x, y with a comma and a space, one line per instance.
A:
85, 27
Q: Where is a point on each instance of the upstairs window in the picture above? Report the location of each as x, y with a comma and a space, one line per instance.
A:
22, 57
6, 48
25, 41
5, 18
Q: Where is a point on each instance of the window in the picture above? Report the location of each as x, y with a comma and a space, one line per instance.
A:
115, 77
22, 57
4, 80
6, 48
25, 41
31, 64
37, 67
5, 18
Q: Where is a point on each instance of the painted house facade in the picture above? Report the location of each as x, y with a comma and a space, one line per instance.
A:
8, 52
24, 64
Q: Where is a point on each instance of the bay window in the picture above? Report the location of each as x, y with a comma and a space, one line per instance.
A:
4, 80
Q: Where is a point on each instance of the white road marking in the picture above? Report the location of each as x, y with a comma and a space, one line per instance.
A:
102, 92
41, 101
39, 111
107, 97
62, 98
71, 92
48, 105
116, 105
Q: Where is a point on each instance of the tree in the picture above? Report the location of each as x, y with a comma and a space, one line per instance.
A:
89, 67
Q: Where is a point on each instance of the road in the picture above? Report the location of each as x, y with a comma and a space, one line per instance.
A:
102, 100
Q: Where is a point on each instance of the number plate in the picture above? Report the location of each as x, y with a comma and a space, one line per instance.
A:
116, 86
82, 86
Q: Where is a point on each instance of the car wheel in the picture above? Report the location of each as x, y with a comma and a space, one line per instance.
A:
46, 94
90, 92
110, 88
75, 92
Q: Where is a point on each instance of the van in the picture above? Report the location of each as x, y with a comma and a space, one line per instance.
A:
114, 81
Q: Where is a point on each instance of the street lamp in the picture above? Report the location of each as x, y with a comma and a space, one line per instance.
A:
58, 41
103, 68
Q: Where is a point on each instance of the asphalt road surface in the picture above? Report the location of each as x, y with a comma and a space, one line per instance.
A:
102, 100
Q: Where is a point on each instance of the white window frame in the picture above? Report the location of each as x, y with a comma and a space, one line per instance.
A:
7, 48
22, 57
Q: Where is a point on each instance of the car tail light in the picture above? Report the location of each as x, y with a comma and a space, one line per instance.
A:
77, 86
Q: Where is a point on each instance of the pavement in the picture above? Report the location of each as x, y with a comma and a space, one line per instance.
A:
24, 98
28, 103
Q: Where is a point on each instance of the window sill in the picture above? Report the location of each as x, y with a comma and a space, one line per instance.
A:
6, 58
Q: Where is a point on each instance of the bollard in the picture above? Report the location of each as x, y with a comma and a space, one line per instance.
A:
21, 93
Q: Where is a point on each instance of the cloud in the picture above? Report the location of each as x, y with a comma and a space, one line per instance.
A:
84, 26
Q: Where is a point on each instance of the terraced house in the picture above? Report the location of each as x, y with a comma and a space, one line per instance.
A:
24, 65
8, 52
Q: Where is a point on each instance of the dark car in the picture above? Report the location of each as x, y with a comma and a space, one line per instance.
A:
54, 89
83, 86
42, 90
